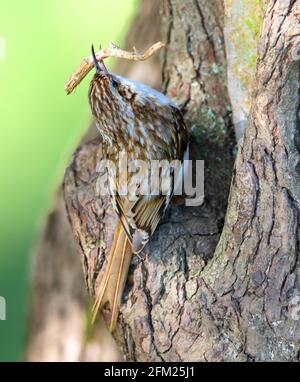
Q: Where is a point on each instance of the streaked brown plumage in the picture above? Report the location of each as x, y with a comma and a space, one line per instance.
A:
148, 126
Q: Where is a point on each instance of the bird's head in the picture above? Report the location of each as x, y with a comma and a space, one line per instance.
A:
108, 94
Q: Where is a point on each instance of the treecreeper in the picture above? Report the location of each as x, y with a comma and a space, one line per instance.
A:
145, 126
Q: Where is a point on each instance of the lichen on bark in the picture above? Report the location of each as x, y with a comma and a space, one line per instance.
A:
243, 21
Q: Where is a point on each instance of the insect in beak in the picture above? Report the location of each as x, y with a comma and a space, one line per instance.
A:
99, 66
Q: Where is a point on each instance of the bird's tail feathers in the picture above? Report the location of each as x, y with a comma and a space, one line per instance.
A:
114, 277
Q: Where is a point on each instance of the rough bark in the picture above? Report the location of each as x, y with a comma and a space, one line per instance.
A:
190, 300
159, 319
58, 324
254, 276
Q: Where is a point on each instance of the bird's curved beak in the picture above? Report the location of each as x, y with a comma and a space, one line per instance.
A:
99, 66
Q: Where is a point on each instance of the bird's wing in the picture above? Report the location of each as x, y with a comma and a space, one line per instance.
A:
141, 216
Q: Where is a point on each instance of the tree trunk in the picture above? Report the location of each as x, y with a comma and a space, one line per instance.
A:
58, 325
159, 318
254, 276
209, 291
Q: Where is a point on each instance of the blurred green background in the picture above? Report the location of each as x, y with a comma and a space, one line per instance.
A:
40, 126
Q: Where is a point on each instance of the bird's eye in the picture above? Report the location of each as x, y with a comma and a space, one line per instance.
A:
114, 83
